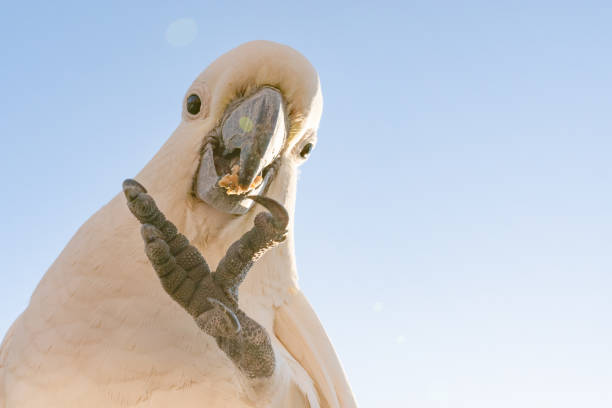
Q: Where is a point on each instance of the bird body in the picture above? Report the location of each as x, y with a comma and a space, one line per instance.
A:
100, 331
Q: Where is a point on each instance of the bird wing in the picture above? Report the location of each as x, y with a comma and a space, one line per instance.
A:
297, 326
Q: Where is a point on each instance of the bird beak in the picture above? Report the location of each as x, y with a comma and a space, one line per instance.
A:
240, 160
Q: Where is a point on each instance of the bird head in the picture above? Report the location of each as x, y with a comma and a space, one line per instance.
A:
252, 112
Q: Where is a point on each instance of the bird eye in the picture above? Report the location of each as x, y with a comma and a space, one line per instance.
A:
306, 150
193, 104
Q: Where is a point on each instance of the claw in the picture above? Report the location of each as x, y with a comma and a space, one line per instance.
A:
219, 321
281, 217
149, 233
141, 204
131, 188
231, 315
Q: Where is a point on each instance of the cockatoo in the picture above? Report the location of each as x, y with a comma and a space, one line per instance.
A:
118, 322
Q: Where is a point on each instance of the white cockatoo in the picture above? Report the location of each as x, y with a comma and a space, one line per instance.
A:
100, 329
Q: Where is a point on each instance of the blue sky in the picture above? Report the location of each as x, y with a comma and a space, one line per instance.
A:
460, 257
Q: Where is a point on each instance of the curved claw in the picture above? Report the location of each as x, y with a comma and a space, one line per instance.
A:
231, 316
281, 217
150, 233
219, 321
142, 204
131, 188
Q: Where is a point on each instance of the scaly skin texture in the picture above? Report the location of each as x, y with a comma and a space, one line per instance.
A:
212, 297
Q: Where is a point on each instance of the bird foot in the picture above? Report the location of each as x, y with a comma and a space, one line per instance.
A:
211, 298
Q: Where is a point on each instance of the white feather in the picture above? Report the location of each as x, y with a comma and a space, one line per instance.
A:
101, 332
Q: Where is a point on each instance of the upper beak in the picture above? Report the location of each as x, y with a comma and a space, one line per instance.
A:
252, 136
256, 127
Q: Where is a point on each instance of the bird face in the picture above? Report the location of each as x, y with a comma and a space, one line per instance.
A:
242, 154
247, 120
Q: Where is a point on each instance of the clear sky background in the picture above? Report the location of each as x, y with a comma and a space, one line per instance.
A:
454, 223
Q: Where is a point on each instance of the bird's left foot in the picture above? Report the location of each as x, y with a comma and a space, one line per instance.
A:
212, 298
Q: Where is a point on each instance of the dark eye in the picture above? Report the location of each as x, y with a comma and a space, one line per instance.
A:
193, 104
306, 150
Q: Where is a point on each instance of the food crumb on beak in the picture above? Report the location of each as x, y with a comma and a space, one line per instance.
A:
230, 182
